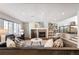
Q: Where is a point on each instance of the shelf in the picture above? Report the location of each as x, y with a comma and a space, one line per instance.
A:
74, 26
50, 31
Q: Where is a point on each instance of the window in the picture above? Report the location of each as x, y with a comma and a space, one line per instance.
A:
20, 28
6, 25
13, 28
17, 28
10, 28
1, 23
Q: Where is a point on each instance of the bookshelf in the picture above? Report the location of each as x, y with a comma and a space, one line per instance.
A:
52, 29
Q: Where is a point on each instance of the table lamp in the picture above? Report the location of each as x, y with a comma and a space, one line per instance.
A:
2, 34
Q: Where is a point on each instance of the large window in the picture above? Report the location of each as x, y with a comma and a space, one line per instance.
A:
6, 25
13, 28
19, 28
16, 28
10, 28
1, 23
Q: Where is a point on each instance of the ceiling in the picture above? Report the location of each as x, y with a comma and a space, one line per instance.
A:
39, 12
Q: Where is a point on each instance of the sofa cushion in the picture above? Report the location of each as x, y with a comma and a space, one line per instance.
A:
58, 43
10, 43
2, 44
49, 43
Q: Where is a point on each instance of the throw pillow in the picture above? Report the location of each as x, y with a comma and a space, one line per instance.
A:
10, 43
58, 43
49, 43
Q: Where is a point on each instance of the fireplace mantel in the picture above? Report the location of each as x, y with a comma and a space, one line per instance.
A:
40, 30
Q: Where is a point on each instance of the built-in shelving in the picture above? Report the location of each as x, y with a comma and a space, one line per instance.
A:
52, 28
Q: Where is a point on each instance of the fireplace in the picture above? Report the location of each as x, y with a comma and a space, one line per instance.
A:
33, 33
42, 34
39, 33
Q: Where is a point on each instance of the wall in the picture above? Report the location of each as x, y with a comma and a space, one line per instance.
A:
67, 21
26, 29
10, 18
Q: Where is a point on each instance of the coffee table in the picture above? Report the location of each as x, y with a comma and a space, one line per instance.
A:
36, 42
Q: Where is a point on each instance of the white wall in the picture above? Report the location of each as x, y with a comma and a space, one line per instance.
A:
8, 17
26, 29
67, 21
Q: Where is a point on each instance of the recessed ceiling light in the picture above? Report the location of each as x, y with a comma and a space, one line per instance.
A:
62, 13
54, 19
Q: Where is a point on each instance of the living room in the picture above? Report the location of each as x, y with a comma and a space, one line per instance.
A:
39, 25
